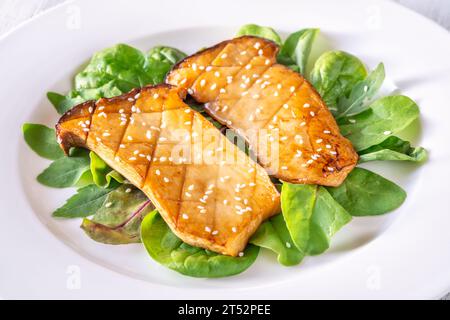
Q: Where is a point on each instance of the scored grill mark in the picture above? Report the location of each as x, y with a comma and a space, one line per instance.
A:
183, 180
282, 103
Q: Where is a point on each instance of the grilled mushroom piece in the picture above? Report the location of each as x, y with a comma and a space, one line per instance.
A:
274, 108
210, 193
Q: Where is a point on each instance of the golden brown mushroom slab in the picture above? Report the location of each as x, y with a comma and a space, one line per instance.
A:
279, 113
209, 192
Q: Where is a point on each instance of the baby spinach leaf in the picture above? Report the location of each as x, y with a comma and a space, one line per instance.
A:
259, 31
274, 235
365, 193
101, 172
85, 202
312, 216
297, 48
42, 140
383, 118
66, 171
119, 218
166, 54
167, 249
334, 75
114, 71
394, 149
362, 93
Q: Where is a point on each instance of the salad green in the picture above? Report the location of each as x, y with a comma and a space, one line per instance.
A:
115, 212
166, 248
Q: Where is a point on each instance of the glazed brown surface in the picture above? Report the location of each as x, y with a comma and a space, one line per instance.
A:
278, 111
208, 191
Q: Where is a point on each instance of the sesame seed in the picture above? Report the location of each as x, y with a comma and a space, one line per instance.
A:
243, 53
130, 138
386, 133
286, 106
326, 131
319, 140
194, 66
188, 194
283, 138
223, 56
90, 109
130, 99
215, 232
284, 168
208, 68
202, 82
352, 120
312, 113
201, 67
303, 124
185, 216
309, 161
191, 187
241, 254
288, 245
328, 146
292, 89
132, 158
128, 190
248, 67
162, 139
157, 172
257, 45
333, 152
330, 169
306, 105
122, 146
213, 86
102, 114
217, 74
366, 88
107, 205
190, 91
229, 79
208, 229
267, 62
162, 159
222, 90
225, 202
234, 229
166, 179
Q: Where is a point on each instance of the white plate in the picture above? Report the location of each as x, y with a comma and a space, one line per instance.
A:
402, 255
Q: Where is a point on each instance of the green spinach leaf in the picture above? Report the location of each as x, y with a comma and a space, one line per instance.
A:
259, 31
66, 171
361, 94
365, 193
312, 216
166, 54
85, 202
383, 118
167, 249
274, 235
42, 140
114, 71
119, 219
334, 75
297, 48
394, 149
101, 172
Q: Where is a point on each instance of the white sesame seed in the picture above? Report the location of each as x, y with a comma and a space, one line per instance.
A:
166, 179
128, 190
215, 232
303, 124
284, 168
288, 245
208, 68
202, 82
386, 133
222, 90
312, 113
243, 53
333, 152
217, 74
130, 138
109, 204
185, 216
286, 106
257, 45
213, 86
319, 140
306, 105
292, 89
194, 66
187, 194
352, 120
132, 158
158, 172
241, 254
208, 229
267, 62
223, 56
90, 109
